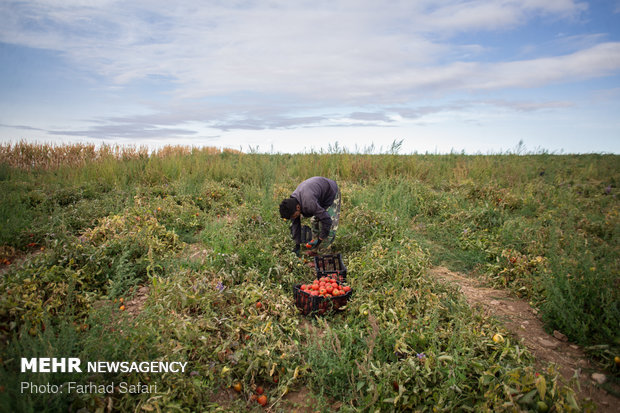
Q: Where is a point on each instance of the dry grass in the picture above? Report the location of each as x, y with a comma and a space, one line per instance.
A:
178, 150
31, 156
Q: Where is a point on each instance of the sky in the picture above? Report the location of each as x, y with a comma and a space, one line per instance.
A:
291, 76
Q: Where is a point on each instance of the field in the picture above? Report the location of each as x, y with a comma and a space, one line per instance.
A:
115, 254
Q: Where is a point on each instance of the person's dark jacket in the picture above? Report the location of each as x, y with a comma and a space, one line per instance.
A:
314, 195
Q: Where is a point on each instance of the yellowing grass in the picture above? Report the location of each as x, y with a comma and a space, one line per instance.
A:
45, 156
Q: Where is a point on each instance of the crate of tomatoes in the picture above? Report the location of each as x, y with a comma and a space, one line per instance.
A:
323, 295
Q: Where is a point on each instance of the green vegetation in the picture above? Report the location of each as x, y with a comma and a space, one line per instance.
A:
81, 229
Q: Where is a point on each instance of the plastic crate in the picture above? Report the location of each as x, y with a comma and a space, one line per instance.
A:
306, 234
330, 265
315, 304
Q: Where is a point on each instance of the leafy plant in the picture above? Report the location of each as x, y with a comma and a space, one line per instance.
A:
200, 230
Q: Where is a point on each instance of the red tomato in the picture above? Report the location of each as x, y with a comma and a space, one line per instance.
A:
262, 400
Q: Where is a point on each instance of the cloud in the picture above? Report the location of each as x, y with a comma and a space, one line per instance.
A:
22, 127
422, 111
523, 106
346, 52
126, 130
269, 122
458, 16
371, 116
282, 64
597, 61
195, 117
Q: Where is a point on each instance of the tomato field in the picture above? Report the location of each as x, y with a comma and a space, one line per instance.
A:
180, 256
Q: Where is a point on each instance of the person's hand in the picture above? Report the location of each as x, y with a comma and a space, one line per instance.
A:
313, 244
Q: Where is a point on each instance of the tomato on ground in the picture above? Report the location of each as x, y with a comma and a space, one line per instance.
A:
262, 400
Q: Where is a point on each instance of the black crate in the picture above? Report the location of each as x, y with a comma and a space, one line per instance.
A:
306, 234
315, 304
330, 265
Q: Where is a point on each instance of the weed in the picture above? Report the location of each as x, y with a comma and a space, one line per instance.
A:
93, 224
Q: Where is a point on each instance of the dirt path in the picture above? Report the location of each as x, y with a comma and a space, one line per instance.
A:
523, 322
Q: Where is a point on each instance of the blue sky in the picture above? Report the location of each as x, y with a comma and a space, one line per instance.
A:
294, 76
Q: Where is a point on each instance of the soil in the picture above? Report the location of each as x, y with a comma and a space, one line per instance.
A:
525, 324
133, 307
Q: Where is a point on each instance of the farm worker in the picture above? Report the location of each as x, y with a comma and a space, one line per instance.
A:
317, 198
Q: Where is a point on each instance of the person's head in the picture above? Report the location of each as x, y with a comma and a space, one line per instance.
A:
290, 208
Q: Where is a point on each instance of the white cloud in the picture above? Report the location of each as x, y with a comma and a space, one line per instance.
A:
279, 64
596, 61
343, 52
526, 106
456, 16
